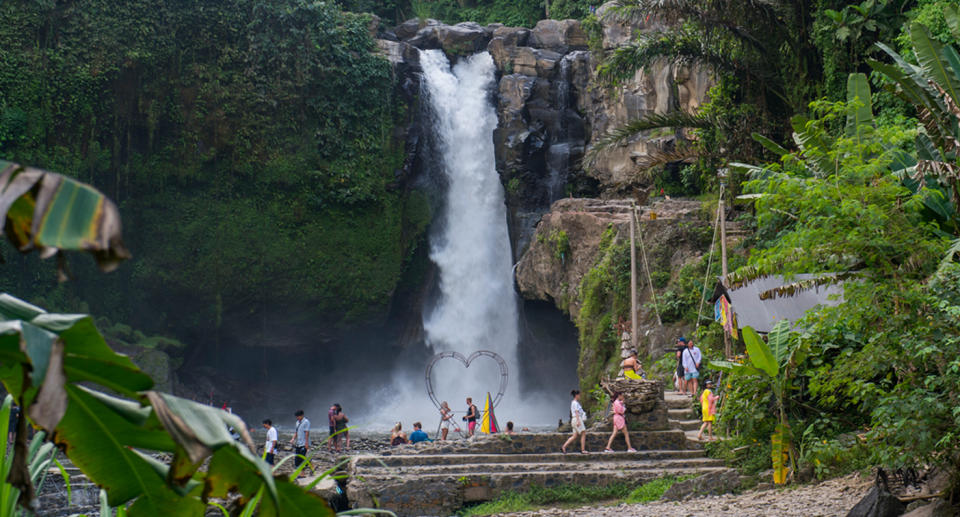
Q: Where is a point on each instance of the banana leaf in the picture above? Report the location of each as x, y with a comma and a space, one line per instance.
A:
49, 212
44, 358
861, 117
760, 354
780, 453
930, 56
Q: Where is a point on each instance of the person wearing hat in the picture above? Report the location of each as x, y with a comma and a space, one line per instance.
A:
678, 381
708, 408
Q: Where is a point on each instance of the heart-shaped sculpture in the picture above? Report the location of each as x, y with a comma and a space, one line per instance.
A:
504, 373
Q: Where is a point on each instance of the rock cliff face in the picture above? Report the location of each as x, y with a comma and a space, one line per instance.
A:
673, 232
550, 107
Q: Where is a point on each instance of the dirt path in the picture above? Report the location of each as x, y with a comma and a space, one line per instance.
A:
834, 497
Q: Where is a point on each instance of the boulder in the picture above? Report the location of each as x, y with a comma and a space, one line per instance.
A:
878, 503
462, 39
558, 35
938, 508
512, 36
409, 28
158, 366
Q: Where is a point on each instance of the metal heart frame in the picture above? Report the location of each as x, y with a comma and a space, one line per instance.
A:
504, 371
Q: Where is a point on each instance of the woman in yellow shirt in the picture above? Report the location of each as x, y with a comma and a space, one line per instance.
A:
708, 408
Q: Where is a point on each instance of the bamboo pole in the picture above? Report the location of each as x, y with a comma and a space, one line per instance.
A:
633, 280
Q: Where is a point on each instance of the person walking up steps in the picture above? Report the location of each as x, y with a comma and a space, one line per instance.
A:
691, 366
708, 406
301, 438
578, 421
619, 423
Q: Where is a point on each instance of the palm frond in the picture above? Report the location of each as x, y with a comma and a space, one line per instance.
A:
952, 253
794, 288
624, 134
659, 156
637, 11
677, 48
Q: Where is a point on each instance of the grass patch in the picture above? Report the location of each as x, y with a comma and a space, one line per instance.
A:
653, 490
542, 496
573, 495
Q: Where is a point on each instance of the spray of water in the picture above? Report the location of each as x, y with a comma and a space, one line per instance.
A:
476, 307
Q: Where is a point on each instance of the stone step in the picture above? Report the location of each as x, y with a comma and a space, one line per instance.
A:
681, 414
677, 401
444, 494
574, 455
542, 443
602, 462
686, 425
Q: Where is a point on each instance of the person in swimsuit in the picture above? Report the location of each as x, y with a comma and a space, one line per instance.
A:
631, 367
397, 436
619, 423
340, 426
578, 421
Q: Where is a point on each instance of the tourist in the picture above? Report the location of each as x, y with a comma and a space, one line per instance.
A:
334, 439
510, 430
471, 418
446, 418
340, 426
631, 367
578, 421
708, 408
619, 423
691, 366
397, 436
418, 435
301, 438
270, 446
678, 381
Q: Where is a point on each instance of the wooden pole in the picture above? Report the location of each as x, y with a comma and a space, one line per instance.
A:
633, 280
722, 216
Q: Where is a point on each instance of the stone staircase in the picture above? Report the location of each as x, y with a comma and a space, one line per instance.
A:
52, 498
439, 478
681, 415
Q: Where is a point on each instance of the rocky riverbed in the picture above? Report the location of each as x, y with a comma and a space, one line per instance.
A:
834, 497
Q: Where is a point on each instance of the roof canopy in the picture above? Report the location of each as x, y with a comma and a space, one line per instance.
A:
762, 315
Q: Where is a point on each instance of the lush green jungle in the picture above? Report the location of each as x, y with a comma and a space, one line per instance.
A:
254, 151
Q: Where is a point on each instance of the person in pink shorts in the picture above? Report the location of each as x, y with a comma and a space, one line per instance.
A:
619, 423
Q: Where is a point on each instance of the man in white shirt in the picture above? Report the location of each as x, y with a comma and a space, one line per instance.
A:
270, 446
691, 367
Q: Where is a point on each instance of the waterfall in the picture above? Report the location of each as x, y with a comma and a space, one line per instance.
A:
477, 307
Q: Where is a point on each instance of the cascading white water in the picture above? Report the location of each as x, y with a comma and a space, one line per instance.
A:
477, 306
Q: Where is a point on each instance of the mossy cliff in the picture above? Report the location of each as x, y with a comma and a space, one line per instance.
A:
592, 282
256, 151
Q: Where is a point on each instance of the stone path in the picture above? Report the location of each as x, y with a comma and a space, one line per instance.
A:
834, 497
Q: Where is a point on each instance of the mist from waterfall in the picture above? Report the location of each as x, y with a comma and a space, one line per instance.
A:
474, 306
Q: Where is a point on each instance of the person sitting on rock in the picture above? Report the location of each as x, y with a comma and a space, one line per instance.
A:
397, 436
418, 435
632, 369
510, 430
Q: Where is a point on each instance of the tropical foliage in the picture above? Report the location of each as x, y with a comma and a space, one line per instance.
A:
51, 365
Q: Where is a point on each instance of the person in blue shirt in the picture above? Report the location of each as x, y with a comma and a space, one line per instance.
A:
418, 435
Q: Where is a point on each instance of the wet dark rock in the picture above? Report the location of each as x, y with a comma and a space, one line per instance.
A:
878, 503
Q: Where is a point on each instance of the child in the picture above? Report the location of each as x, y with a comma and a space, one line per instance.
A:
708, 406
619, 423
